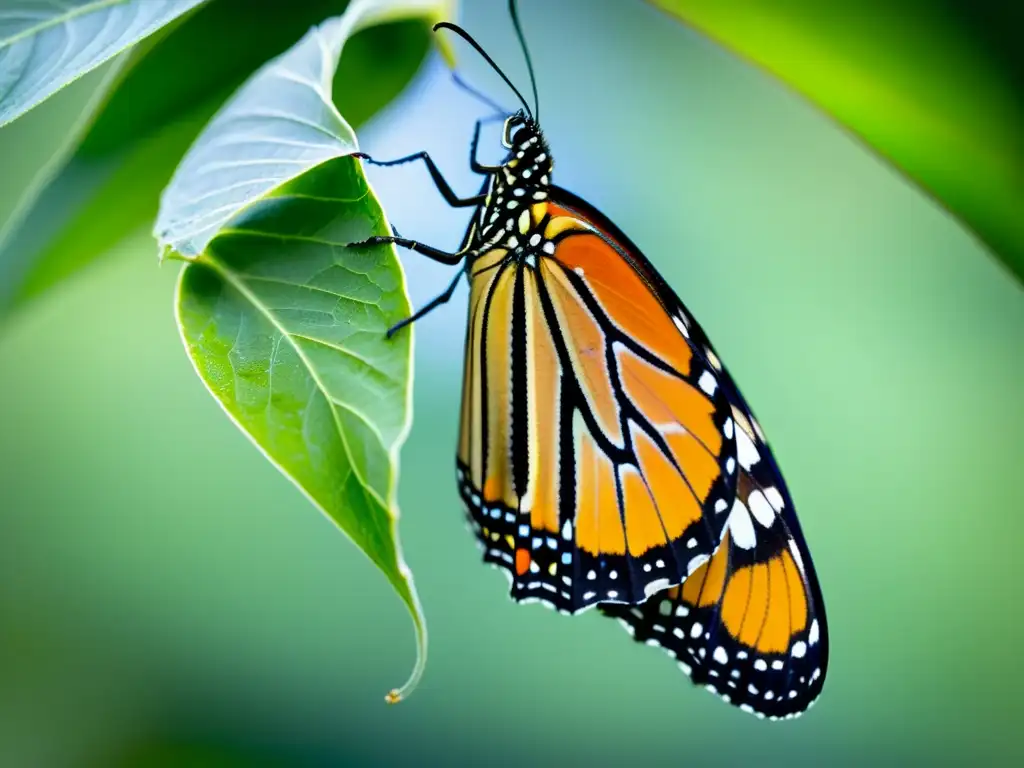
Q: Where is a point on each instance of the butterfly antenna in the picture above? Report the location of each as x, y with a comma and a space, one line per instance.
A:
466, 36
514, 13
477, 94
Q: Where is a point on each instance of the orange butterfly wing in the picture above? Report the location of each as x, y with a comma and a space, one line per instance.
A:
597, 455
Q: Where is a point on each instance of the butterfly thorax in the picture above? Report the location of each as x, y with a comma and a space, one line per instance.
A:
514, 209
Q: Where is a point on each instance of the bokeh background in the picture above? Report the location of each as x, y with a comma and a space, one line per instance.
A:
167, 598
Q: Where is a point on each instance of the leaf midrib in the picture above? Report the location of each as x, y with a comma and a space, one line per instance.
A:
74, 13
239, 285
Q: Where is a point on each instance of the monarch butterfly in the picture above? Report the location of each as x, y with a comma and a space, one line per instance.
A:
605, 456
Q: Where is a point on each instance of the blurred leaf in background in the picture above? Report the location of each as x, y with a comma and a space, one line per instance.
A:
934, 86
46, 45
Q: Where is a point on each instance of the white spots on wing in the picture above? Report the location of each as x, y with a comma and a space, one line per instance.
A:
720, 655
655, 587
760, 665
794, 550
730, 465
753, 689
708, 382
512, 242
816, 675
761, 509
746, 452
814, 635
535, 239
567, 530
681, 326
713, 359
591, 575
678, 632
777, 665
665, 607
682, 610
548, 247
518, 192
721, 505
774, 498
727, 429
740, 526
527, 173
524, 530
534, 568
540, 194
588, 595
524, 221
695, 563
696, 629
691, 543
613, 575
799, 649
612, 594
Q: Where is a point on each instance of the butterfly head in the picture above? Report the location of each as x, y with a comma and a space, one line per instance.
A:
529, 158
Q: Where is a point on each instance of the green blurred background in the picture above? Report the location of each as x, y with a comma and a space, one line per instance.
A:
167, 598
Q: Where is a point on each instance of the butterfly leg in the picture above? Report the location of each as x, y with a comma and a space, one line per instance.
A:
451, 259
434, 303
435, 174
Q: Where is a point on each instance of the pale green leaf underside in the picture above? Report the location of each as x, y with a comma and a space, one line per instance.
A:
284, 322
45, 44
280, 123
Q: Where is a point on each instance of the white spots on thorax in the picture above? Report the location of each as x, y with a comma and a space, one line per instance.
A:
524, 221
814, 635
761, 509
740, 526
535, 239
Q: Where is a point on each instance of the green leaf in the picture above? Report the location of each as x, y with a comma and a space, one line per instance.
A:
44, 45
111, 187
284, 322
934, 88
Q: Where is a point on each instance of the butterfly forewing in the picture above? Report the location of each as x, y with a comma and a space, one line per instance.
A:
597, 455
